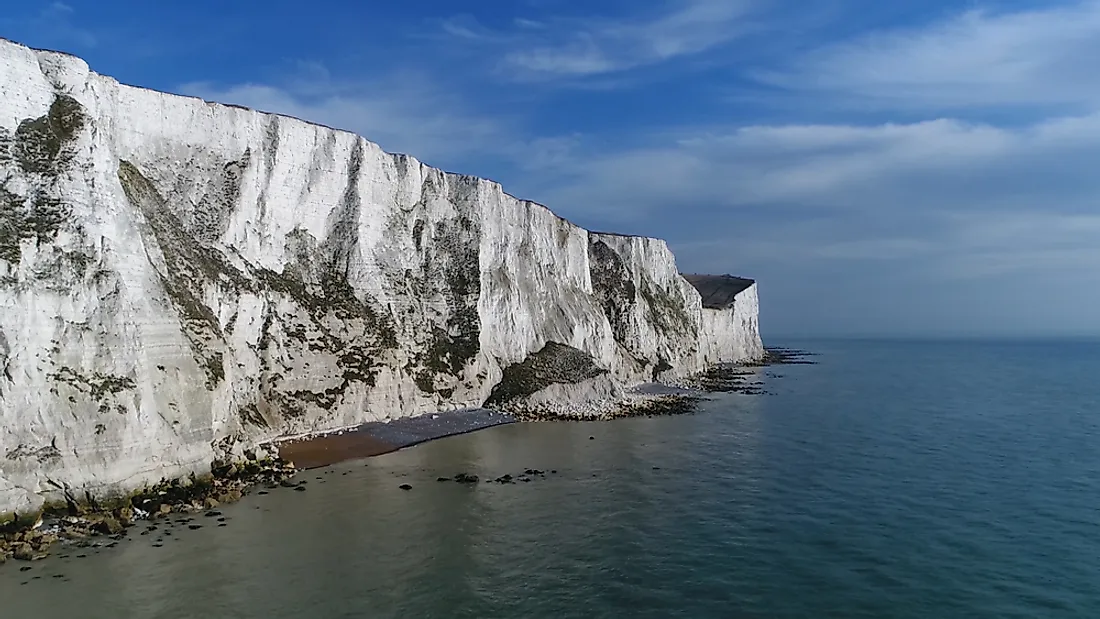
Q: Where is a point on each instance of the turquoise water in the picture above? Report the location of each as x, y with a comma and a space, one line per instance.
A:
893, 479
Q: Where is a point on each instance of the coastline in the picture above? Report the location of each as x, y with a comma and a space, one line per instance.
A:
275, 464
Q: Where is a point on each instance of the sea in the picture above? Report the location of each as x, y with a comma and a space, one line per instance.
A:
890, 479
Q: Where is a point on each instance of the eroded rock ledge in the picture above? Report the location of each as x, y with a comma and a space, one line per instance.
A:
181, 281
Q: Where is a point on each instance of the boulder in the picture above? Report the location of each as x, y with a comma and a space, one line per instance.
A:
74, 532
43, 542
22, 551
107, 525
125, 515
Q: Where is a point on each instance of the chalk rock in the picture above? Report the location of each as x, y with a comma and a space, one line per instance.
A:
181, 281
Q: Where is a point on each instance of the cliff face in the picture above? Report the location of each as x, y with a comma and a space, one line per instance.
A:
729, 328
180, 280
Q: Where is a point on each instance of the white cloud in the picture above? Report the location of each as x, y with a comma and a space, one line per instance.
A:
936, 200
942, 164
529, 24
977, 58
576, 47
1023, 242
468, 29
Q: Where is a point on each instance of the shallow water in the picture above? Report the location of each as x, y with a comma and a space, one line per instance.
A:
893, 479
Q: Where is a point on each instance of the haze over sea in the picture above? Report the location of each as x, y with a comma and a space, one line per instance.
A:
892, 479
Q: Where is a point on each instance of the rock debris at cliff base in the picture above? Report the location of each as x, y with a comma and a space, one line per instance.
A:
84, 521
782, 356
745, 378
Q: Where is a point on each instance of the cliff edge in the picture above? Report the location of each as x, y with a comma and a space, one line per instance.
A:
182, 280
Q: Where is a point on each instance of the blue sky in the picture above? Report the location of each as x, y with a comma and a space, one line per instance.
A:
882, 168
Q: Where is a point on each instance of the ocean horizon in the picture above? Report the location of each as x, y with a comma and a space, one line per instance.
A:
892, 478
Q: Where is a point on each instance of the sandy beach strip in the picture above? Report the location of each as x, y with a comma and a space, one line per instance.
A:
379, 437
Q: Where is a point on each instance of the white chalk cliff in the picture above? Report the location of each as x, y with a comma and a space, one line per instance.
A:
181, 280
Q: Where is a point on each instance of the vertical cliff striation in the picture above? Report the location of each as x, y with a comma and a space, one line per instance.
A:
182, 280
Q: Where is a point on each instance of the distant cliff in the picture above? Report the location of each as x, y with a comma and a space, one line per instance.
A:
182, 280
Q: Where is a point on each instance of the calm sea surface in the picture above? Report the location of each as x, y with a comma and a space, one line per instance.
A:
893, 479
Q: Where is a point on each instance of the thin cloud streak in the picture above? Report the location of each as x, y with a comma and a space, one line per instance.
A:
977, 58
847, 167
54, 23
581, 47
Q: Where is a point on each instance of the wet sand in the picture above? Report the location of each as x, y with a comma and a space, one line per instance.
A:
318, 451
379, 437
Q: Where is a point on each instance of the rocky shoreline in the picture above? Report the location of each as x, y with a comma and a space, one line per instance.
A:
633, 405
669, 397
744, 378
85, 522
